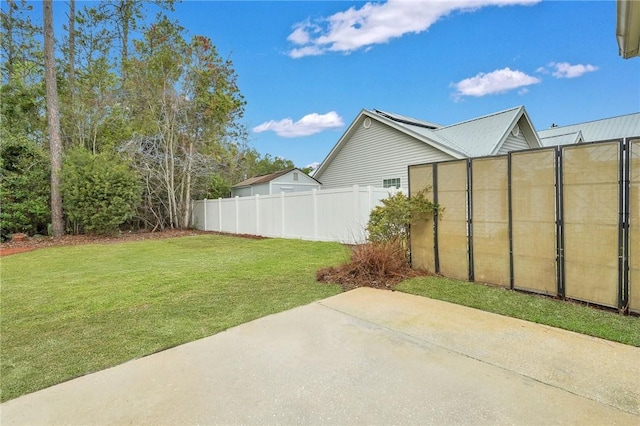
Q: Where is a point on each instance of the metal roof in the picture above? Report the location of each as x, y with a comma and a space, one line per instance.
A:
482, 135
563, 139
473, 138
407, 120
599, 130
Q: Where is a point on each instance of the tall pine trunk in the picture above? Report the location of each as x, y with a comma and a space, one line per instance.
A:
53, 119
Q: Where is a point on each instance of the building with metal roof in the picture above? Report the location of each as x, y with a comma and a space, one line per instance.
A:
378, 146
623, 126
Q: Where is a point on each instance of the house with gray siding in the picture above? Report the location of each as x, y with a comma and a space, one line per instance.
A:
292, 180
378, 146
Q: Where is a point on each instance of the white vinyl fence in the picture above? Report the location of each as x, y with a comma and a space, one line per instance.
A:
326, 215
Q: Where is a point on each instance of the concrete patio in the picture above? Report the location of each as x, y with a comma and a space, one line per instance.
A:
362, 357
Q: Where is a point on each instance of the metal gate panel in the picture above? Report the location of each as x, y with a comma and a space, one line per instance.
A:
422, 237
591, 222
533, 207
634, 228
453, 243
490, 211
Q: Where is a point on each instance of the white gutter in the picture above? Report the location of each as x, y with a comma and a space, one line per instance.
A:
628, 28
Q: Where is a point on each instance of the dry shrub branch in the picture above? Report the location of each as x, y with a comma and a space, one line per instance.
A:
384, 261
379, 265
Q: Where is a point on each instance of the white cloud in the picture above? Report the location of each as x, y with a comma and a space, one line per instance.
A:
377, 23
313, 166
308, 125
566, 70
498, 81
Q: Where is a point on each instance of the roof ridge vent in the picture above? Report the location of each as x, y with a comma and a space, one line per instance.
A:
403, 120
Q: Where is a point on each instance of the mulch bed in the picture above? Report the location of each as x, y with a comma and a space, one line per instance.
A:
33, 243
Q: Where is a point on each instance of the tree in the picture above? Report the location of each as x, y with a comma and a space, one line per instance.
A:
24, 187
187, 111
21, 49
101, 192
268, 164
53, 118
22, 89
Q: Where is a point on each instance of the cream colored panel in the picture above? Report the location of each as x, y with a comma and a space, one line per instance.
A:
591, 175
634, 230
533, 226
452, 226
422, 237
490, 220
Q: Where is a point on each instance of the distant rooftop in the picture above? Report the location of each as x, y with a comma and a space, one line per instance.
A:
597, 130
262, 179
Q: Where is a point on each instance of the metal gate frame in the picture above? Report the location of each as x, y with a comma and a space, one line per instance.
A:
624, 206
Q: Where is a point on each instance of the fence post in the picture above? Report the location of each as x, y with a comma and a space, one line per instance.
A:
282, 219
436, 218
257, 214
314, 197
470, 217
220, 214
192, 215
623, 235
204, 209
237, 214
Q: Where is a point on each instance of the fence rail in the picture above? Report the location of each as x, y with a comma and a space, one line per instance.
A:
319, 215
562, 221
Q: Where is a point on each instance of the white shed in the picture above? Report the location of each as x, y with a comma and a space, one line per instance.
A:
291, 180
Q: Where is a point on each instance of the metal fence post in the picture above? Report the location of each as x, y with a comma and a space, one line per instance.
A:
559, 222
470, 218
436, 218
623, 258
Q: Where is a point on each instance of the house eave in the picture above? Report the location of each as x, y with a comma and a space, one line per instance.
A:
628, 28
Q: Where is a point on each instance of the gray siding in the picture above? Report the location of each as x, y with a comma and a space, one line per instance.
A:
513, 143
377, 153
241, 192
277, 187
289, 178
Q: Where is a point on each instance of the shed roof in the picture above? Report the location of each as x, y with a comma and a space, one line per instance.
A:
599, 130
267, 178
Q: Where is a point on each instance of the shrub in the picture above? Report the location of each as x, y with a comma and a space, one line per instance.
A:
100, 192
24, 187
381, 265
392, 220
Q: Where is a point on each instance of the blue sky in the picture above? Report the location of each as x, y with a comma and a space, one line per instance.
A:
307, 68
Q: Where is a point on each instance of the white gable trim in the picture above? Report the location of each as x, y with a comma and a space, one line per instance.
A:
529, 132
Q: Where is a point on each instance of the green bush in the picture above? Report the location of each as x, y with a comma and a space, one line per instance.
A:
24, 187
99, 191
392, 220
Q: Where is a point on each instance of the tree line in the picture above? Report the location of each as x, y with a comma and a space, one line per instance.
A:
118, 124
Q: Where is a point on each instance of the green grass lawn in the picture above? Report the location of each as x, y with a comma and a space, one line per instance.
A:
579, 318
69, 311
